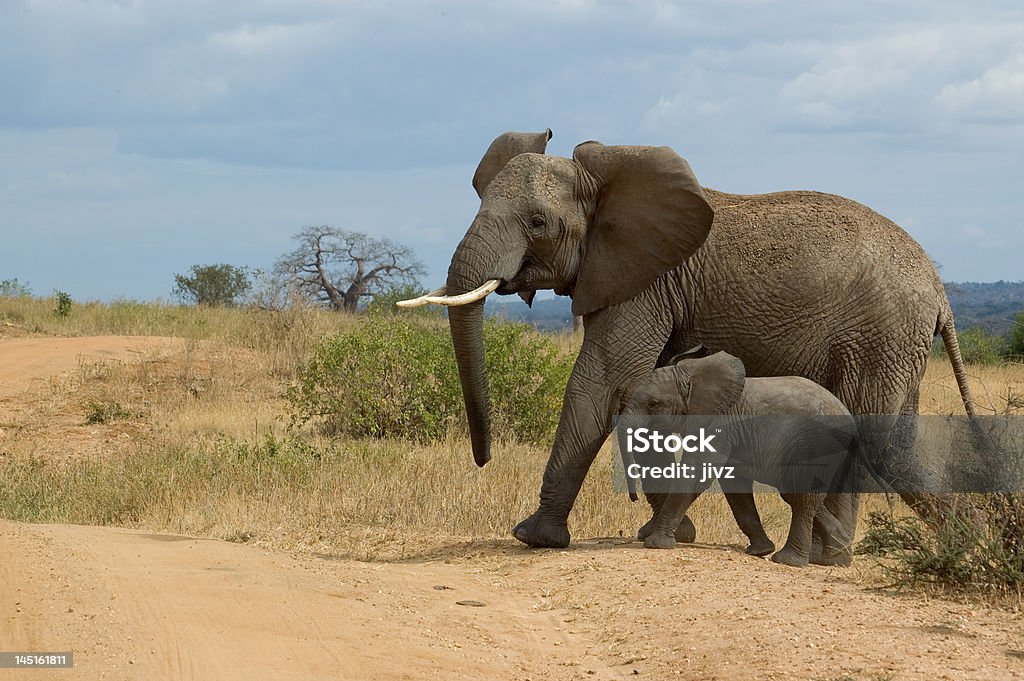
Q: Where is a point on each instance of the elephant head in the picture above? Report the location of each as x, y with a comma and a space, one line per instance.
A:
693, 384
600, 227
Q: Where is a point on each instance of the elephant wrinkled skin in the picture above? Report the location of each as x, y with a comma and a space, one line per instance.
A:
794, 283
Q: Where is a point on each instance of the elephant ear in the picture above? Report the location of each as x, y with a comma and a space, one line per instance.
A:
715, 383
650, 215
503, 149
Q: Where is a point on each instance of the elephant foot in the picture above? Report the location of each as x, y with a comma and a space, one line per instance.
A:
842, 558
657, 540
816, 549
830, 554
686, 533
761, 547
540, 533
790, 557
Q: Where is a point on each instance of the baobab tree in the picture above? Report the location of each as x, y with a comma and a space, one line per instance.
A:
339, 267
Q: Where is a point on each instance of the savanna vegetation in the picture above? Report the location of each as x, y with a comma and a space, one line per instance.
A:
330, 432
220, 284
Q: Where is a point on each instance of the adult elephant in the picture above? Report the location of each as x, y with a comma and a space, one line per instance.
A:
792, 283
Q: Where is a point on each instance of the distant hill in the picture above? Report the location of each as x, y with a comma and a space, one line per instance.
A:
550, 314
991, 306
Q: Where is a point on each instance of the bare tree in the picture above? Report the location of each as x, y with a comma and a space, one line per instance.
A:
339, 268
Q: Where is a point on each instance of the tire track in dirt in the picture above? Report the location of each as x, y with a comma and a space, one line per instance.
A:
186, 608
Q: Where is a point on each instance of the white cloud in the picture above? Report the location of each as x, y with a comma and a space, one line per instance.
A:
997, 94
860, 70
273, 39
892, 81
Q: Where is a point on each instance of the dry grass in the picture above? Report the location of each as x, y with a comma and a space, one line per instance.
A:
997, 389
283, 338
196, 443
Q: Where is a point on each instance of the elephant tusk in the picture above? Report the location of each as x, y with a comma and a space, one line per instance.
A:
476, 294
422, 300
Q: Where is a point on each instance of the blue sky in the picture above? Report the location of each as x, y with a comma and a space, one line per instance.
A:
138, 138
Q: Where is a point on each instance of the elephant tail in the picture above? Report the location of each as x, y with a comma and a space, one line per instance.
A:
948, 331
986, 445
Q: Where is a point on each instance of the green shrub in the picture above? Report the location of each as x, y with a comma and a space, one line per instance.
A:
14, 288
105, 412
384, 302
62, 306
396, 377
212, 285
1015, 347
976, 346
980, 551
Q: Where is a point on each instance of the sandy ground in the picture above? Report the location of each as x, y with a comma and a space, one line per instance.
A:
136, 605
25, 362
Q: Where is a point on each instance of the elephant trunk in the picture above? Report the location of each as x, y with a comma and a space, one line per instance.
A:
625, 455
467, 327
478, 258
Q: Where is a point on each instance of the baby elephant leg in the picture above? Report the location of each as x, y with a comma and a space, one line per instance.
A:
667, 519
685, 531
832, 541
797, 550
656, 501
740, 495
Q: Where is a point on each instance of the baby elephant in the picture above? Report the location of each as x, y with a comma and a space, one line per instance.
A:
807, 425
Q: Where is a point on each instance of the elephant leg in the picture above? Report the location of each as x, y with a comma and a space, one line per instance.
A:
900, 462
876, 398
796, 552
656, 501
740, 496
835, 523
834, 528
685, 532
876, 393
666, 521
602, 380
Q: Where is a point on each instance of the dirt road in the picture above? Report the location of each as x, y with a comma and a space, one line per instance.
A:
136, 605
25, 361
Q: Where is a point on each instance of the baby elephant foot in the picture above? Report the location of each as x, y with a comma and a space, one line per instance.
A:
761, 547
790, 557
656, 540
686, 533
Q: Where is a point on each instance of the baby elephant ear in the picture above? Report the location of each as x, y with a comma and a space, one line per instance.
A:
503, 149
716, 382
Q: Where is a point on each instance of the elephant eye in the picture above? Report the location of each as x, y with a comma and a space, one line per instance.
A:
653, 403
537, 223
